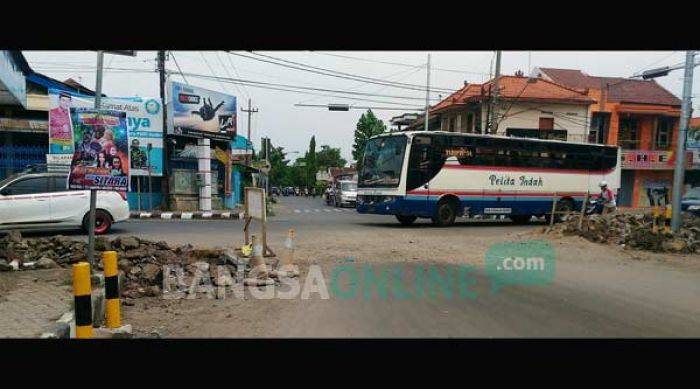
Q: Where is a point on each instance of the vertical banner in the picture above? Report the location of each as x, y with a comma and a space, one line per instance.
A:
144, 120
101, 150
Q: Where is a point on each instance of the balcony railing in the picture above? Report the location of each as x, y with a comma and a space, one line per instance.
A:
628, 144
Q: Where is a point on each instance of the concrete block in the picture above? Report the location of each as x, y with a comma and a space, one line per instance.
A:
98, 307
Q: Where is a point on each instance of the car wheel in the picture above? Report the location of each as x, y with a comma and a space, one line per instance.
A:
445, 214
406, 220
103, 222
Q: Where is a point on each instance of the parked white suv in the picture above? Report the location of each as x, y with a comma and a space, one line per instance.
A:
41, 201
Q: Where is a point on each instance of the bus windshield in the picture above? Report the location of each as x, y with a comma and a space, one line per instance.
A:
382, 163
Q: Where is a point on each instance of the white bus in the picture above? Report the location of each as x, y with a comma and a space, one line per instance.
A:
444, 175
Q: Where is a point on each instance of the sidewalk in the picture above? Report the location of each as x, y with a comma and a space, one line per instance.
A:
225, 214
31, 301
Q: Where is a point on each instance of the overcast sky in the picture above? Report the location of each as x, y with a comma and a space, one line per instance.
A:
292, 127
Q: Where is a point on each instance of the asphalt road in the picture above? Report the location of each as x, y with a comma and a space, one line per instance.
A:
596, 292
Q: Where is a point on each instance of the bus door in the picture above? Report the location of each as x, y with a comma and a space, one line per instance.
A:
419, 175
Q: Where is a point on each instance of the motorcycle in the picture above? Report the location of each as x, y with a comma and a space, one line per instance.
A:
595, 206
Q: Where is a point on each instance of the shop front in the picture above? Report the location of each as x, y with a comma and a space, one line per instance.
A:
647, 177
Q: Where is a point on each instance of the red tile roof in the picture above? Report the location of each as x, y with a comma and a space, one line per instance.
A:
514, 87
619, 89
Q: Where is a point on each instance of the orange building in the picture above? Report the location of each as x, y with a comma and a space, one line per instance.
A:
639, 116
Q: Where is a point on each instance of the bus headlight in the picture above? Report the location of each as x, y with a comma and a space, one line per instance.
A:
694, 208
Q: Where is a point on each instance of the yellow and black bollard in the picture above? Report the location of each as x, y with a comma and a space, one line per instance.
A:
667, 219
112, 309
82, 292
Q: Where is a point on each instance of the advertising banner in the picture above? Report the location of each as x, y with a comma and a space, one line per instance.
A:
101, 144
201, 113
144, 119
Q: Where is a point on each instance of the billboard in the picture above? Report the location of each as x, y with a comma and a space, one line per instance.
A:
101, 150
144, 120
201, 113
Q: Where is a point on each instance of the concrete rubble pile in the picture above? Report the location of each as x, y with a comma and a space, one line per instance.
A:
634, 231
141, 262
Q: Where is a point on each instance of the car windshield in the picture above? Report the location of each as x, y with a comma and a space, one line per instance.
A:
383, 160
692, 194
348, 186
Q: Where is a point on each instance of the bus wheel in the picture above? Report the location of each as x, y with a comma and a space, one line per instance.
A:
520, 219
445, 213
406, 220
563, 207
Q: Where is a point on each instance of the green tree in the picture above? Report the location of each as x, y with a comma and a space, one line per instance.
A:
367, 127
329, 157
310, 159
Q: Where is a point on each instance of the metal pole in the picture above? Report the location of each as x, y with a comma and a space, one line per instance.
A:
679, 171
166, 146
493, 125
250, 112
150, 182
93, 192
427, 97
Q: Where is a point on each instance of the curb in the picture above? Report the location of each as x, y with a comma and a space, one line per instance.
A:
165, 215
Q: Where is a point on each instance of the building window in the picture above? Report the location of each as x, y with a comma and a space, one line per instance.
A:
627, 134
451, 127
546, 123
600, 123
664, 128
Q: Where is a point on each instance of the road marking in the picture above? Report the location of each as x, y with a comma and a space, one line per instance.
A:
166, 215
307, 210
186, 215
297, 211
337, 210
225, 215
326, 210
317, 210
145, 215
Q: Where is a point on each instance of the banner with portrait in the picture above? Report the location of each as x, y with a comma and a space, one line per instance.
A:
144, 120
100, 142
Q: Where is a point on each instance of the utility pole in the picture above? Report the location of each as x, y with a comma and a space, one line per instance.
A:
93, 192
493, 125
166, 145
250, 111
679, 171
427, 96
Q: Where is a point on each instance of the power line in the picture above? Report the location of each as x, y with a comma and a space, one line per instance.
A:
230, 61
333, 73
212, 70
251, 82
218, 57
399, 64
272, 87
178, 68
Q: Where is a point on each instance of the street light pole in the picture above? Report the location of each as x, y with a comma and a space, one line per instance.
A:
427, 96
679, 171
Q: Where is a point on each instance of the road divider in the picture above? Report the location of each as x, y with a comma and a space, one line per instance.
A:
174, 215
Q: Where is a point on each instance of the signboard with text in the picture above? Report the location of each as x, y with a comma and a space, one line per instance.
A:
101, 151
651, 159
144, 121
201, 113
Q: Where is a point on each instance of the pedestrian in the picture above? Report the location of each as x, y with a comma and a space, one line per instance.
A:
608, 198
